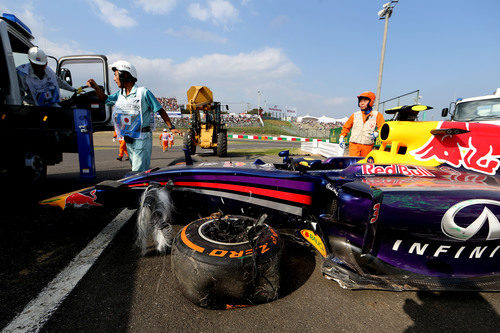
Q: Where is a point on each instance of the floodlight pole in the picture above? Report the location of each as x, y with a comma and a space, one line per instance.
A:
386, 13
381, 67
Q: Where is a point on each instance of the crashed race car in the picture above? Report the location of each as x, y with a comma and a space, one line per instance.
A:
377, 226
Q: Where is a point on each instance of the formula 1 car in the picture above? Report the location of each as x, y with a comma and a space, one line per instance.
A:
390, 227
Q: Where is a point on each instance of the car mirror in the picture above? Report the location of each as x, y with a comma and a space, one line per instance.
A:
444, 112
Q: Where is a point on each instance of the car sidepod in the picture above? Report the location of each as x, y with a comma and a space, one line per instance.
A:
437, 231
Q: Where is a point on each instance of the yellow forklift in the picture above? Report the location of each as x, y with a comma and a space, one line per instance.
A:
207, 129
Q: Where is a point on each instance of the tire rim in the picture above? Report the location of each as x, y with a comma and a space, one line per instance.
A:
202, 230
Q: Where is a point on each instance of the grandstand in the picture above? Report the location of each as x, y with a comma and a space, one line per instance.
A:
313, 127
169, 104
307, 126
241, 120
233, 120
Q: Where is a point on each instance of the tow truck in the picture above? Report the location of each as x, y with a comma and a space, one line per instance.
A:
483, 109
34, 137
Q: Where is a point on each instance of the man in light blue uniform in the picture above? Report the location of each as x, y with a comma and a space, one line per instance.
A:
38, 84
132, 114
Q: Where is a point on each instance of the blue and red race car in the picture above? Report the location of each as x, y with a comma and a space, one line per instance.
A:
394, 227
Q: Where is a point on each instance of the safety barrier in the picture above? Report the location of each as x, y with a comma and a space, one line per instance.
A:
322, 148
274, 138
314, 146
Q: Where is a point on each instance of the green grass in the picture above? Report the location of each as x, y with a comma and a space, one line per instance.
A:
271, 127
271, 151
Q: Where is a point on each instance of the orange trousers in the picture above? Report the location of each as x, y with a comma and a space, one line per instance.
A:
357, 149
164, 145
123, 148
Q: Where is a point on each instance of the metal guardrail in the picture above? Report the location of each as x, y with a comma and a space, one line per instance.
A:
405, 99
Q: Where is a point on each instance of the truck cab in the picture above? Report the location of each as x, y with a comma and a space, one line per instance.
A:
33, 137
483, 109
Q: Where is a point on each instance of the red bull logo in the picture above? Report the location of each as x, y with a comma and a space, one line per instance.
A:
396, 170
457, 176
79, 199
477, 150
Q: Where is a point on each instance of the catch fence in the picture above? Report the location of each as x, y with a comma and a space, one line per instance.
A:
405, 99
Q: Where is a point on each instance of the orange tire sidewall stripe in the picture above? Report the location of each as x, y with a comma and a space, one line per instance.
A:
189, 243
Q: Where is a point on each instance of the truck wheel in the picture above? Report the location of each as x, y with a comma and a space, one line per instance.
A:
189, 142
224, 262
28, 168
222, 144
37, 170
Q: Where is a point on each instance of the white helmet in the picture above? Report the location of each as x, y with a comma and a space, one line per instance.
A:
37, 56
125, 66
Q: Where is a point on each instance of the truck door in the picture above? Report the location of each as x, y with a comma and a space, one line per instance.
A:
76, 70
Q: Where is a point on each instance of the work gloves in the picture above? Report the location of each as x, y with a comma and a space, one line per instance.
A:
342, 142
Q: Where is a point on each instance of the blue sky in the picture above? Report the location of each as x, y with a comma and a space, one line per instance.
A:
315, 55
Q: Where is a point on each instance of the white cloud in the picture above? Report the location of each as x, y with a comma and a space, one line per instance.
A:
223, 10
197, 34
29, 15
236, 79
157, 6
231, 77
265, 64
197, 12
112, 14
218, 11
244, 67
59, 49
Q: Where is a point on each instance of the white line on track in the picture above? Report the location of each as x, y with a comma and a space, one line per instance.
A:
39, 310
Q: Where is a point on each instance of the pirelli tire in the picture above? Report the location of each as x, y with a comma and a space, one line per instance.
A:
217, 267
222, 144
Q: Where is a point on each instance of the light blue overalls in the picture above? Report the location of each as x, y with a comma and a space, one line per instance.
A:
132, 116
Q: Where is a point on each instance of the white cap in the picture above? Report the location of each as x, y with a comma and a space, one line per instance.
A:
37, 56
165, 130
122, 65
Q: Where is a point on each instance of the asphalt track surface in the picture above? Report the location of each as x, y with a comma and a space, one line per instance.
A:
125, 292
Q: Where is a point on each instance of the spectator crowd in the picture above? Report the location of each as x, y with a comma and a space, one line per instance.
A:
310, 124
168, 104
231, 120
241, 120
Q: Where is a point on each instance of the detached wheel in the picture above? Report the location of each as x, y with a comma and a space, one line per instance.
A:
222, 144
223, 262
189, 142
